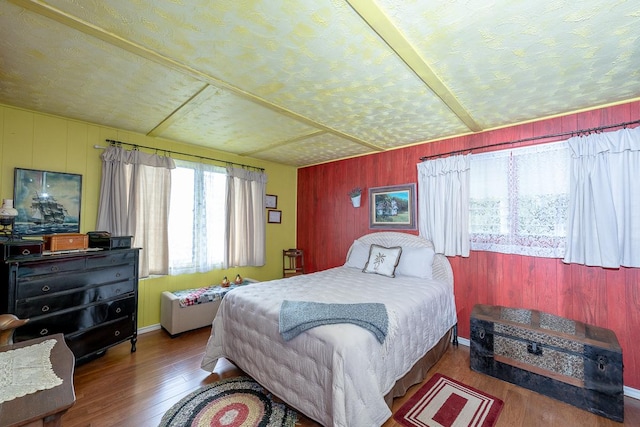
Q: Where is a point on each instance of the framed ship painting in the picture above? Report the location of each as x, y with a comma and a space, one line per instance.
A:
47, 202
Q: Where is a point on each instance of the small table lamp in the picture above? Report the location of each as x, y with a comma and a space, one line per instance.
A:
8, 216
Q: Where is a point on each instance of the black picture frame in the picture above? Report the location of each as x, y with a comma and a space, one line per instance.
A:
274, 216
271, 201
47, 202
393, 207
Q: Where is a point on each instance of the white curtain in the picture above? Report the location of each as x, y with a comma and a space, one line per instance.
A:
604, 208
134, 201
246, 243
443, 204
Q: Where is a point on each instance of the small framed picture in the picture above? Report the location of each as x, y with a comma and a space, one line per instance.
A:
274, 217
271, 201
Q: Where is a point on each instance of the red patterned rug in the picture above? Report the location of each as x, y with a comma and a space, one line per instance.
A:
234, 402
445, 402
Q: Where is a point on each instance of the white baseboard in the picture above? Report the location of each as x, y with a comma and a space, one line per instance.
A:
465, 342
151, 328
628, 391
631, 392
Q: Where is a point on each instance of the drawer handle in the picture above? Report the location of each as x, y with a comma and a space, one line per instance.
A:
46, 288
54, 268
117, 274
45, 308
26, 252
118, 291
118, 310
44, 332
113, 260
534, 348
117, 333
481, 333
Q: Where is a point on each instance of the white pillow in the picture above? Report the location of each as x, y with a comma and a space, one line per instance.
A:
416, 262
383, 260
358, 256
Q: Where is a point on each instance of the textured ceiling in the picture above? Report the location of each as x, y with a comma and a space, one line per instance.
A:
302, 82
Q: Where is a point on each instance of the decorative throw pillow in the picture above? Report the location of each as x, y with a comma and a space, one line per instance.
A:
358, 255
416, 262
383, 260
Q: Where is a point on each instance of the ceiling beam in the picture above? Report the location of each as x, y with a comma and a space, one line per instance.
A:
189, 105
282, 143
44, 9
379, 22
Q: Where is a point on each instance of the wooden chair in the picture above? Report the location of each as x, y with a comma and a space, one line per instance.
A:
292, 262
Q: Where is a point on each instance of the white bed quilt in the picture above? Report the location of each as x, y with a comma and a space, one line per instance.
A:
335, 374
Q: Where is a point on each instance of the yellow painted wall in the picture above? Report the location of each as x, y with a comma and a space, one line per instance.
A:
32, 140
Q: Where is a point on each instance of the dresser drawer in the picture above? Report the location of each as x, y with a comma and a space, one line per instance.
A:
68, 322
39, 306
53, 266
100, 338
106, 258
36, 286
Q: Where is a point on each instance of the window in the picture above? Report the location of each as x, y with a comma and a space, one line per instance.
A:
197, 218
519, 200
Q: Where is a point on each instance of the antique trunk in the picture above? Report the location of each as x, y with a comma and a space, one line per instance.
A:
570, 361
65, 242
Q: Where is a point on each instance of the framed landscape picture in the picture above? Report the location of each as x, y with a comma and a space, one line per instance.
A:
47, 202
393, 207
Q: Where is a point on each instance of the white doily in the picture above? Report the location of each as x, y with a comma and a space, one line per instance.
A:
26, 370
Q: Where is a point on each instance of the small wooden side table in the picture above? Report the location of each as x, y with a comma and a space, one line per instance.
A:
45, 407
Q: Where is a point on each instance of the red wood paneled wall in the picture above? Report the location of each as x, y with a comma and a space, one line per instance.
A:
610, 298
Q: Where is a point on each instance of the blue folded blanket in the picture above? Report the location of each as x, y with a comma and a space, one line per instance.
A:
298, 316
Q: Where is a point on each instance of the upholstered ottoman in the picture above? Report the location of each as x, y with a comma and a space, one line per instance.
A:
189, 309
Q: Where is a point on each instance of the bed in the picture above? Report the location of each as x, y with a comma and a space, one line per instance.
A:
340, 374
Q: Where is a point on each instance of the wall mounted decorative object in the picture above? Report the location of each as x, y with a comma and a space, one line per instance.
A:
274, 217
393, 207
271, 201
47, 202
356, 195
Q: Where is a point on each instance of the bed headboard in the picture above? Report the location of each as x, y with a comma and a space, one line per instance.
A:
441, 266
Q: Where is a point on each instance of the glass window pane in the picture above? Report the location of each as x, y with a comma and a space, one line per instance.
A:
519, 200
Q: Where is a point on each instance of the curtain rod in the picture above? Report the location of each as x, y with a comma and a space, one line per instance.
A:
136, 146
533, 138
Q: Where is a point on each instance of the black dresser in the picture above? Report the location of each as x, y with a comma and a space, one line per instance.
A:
90, 297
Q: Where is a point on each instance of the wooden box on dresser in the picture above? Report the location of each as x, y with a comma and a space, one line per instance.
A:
571, 361
90, 297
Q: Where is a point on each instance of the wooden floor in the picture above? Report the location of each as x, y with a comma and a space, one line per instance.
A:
135, 389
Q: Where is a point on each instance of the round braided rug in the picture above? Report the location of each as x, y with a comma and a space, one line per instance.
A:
234, 402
